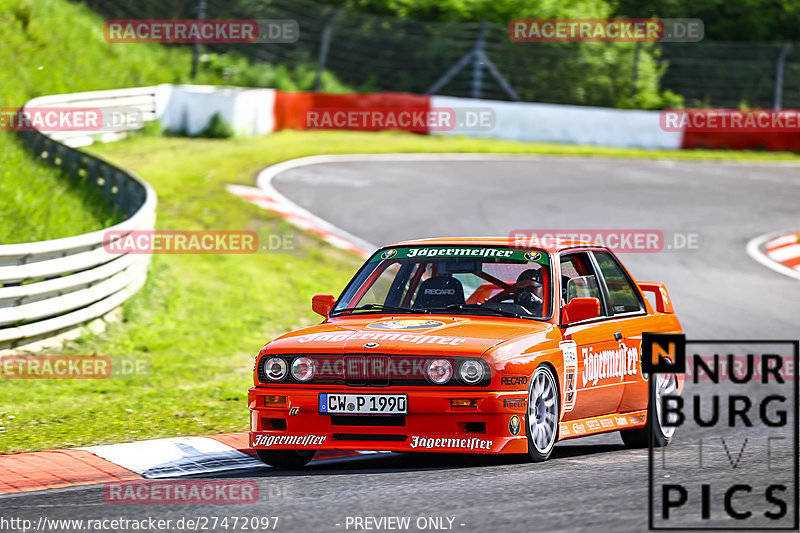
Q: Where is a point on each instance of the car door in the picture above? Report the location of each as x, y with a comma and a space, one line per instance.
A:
626, 305
594, 346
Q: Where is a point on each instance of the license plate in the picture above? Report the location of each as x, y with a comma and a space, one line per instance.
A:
363, 404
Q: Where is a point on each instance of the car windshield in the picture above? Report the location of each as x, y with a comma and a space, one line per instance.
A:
466, 279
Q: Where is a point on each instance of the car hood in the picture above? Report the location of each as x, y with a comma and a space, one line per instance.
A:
412, 335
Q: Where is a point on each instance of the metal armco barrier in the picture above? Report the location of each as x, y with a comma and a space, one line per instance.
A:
49, 287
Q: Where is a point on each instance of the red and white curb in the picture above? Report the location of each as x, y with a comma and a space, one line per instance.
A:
779, 251
162, 458
186, 456
786, 250
149, 459
297, 217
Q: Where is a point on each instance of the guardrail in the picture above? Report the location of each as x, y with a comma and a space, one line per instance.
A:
49, 287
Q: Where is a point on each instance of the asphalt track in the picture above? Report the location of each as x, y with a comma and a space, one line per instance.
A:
590, 484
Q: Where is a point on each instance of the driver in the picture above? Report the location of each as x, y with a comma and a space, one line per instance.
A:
528, 291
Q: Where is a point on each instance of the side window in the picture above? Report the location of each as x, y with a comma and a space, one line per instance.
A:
583, 287
622, 297
578, 279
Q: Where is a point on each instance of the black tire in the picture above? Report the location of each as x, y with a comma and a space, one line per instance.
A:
286, 458
640, 437
542, 416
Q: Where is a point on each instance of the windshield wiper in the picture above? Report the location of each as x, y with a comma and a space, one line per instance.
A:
463, 307
380, 307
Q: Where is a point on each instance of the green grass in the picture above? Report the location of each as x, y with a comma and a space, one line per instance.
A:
201, 319
54, 46
36, 201
38, 204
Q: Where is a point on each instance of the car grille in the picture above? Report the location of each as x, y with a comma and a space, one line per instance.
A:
363, 371
368, 420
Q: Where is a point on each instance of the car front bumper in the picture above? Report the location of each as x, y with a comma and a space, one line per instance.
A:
431, 425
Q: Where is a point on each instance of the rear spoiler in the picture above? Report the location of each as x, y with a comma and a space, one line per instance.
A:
659, 290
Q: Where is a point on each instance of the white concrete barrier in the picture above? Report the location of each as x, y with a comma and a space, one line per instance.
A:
569, 124
251, 112
189, 108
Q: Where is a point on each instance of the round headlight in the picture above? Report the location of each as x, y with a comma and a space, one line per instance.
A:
275, 368
471, 371
440, 371
303, 368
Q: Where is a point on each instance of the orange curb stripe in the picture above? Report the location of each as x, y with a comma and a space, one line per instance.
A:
792, 262
773, 247
795, 261
55, 469
307, 224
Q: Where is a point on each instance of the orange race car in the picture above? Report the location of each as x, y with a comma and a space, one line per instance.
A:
466, 345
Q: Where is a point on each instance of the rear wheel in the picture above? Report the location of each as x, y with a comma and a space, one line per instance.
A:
286, 458
666, 385
542, 416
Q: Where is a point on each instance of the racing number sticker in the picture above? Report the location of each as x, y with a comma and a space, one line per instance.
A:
570, 351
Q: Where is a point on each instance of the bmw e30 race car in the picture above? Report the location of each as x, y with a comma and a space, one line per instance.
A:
468, 345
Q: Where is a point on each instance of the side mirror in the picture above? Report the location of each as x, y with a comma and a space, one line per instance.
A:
323, 303
579, 309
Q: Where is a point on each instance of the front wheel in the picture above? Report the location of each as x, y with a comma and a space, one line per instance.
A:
542, 417
665, 385
286, 458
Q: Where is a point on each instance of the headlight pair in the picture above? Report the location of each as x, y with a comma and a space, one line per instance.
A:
440, 371
303, 368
